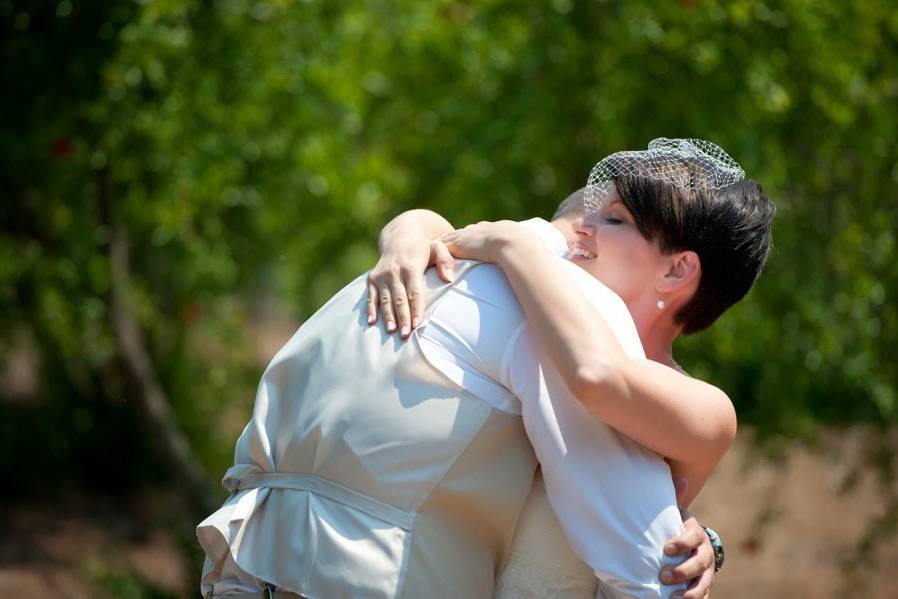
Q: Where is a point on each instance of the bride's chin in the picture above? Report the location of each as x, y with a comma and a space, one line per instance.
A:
584, 264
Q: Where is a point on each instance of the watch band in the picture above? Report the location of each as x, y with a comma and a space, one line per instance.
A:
717, 545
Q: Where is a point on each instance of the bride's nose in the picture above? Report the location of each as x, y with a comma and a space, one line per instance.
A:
585, 226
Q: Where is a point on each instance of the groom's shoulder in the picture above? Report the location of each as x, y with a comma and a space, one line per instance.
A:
486, 283
479, 301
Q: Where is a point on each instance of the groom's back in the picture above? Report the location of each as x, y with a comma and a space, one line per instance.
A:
381, 477
348, 402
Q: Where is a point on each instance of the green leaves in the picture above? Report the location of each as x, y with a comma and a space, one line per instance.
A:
255, 148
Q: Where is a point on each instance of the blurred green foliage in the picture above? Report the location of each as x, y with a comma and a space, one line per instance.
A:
255, 148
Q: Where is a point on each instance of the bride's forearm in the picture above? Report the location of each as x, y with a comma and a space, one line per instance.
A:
581, 345
413, 223
676, 416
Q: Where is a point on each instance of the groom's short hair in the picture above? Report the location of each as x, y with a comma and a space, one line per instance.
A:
572, 206
728, 228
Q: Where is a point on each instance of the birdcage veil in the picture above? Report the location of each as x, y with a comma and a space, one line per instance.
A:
686, 163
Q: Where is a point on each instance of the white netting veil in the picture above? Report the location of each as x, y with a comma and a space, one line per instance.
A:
687, 163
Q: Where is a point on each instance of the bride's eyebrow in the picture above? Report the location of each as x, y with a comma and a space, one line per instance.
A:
617, 204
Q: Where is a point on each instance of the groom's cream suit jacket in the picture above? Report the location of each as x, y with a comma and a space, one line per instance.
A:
376, 468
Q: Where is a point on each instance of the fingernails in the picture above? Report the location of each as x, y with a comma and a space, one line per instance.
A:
415, 322
670, 549
449, 274
370, 319
391, 326
404, 331
666, 575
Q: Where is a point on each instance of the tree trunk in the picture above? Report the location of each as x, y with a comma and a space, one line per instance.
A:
140, 377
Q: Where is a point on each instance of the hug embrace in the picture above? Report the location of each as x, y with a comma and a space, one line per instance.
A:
510, 422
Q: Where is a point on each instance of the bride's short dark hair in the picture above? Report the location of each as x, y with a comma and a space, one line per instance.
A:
728, 228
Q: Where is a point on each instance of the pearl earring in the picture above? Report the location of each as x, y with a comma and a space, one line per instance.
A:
660, 304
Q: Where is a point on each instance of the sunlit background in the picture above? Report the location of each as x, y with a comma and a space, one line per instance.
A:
184, 181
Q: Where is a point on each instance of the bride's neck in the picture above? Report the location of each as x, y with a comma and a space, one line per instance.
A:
657, 332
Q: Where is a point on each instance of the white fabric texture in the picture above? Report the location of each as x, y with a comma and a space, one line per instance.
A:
365, 473
540, 562
614, 499
468, 336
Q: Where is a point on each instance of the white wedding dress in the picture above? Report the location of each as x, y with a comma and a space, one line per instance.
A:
541, 563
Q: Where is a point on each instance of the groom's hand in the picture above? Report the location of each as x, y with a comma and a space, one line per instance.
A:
698, 566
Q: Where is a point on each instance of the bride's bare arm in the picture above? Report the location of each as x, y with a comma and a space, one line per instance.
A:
686, 420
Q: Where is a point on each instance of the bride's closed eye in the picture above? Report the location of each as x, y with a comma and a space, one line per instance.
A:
612, 219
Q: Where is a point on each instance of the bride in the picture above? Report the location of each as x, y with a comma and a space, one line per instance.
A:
680, 237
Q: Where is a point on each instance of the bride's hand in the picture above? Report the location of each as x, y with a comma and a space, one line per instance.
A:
486, 240
396, 283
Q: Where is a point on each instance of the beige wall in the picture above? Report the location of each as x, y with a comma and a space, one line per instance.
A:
787, 526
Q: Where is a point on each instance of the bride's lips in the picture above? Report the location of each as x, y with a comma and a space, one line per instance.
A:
576, 251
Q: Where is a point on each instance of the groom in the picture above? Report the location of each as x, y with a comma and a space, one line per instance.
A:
375, 468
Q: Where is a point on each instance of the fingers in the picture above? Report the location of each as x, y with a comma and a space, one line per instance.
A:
705, 556
449, 238
385, 299
440, 256
397, 293
701, 586
400, 308
416, 301
372, 303
693, 567
699, 566
692, 538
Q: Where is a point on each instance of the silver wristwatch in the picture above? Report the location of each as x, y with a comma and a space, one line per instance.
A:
717, 545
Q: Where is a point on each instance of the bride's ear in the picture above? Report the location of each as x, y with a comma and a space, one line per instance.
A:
683, 274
